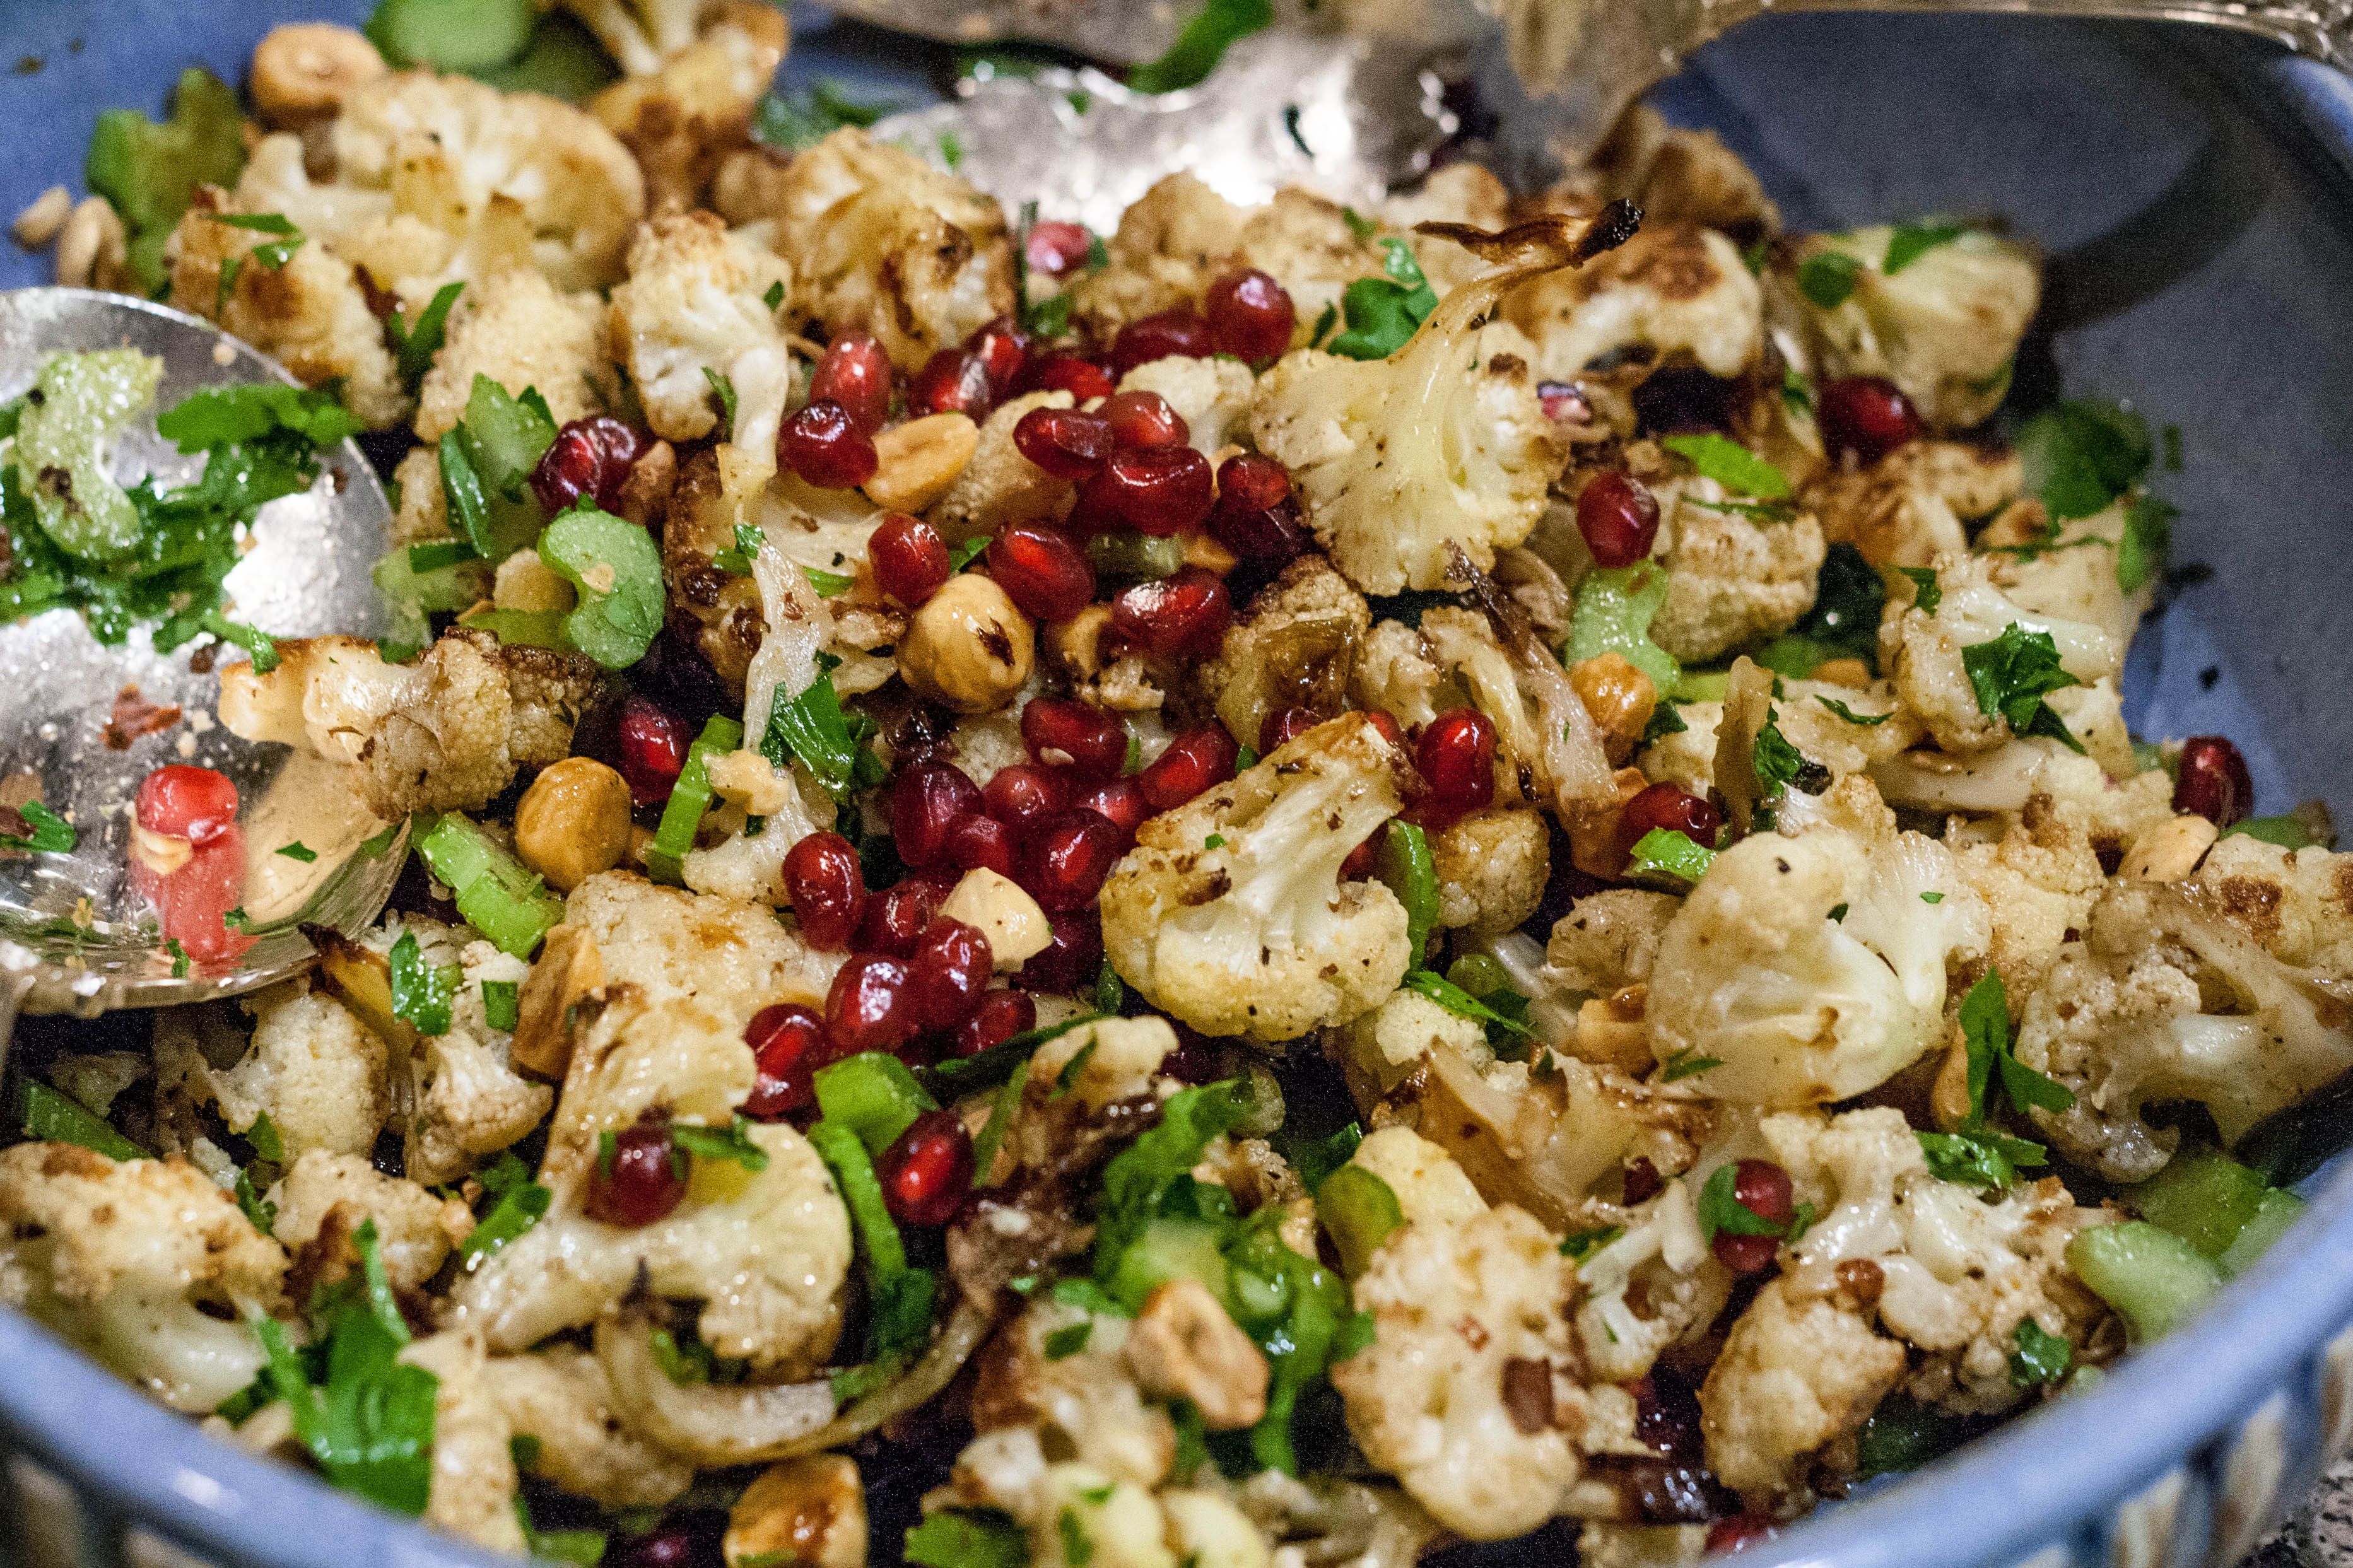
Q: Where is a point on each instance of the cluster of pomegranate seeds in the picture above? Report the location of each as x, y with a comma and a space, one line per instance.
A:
1456, 757
910, 559
855, 373
1762, 1188
1196, 761
190, 865
1000, 1016
590, 459
1672, 808
1250, 315
1868, 416
1618, 517
826, 446
927, 1170
827, 888
642, 1181
1255, 516
649, 744
977, 842
1186, 613
1041, 571
1181, 332
788, 1045
1056, 248
2212, 780
1284, 725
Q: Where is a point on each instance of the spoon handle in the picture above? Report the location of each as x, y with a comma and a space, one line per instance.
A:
2320, 28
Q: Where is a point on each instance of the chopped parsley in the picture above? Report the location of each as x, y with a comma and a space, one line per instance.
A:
1687, 1066
2080, 457
1382, 312
1580, 1245
2148, 538
2039, 1356
1850, 715
1066, 1343
1911, 241
412, 348
774, 297
45, 833
725, 390
967, 1538
179, 958
1932, 898
1200, 43
266, 1141
1925, 594
1665, 720
298, 850
1979, 1157
1730, 464
2013, 674
421, 992
270, 255
1460, 1002
1828, 278
813, 727
733, 1142
1665, 851
1984, 1025
517, 1203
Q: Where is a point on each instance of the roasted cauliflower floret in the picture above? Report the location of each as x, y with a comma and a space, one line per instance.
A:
2066, 573
1087, 1403
2298, 902
444, 733
1607, 939
2161, 1000
882, 242
696, 304
470, 1102
1654, 1286
999, 486
1923, 651
1295, 645
2038, 880
519, 331
1908, 508
1675, 288
684, 108
559, 1399
472, 1490
1505, 670
415, 1230
1380, 1050
1799, 1368
732, 956
1211, 396
1731, 580
123, 1259
1492, 866
1162, 254
1257, 935
315, 1069
1468, 1394
1678, 176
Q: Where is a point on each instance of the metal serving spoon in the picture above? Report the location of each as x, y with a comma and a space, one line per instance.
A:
75, 934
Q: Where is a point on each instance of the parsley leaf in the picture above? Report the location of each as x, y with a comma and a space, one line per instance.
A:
1925, 594
733, 1142
1911, 241
1850, 715
298, 850
1664, 721
2040, 1357
1665, 851
774, 297
725, 389
1842, 623
1200, 43
800, 120
2011, 675
414, 347
225, 416
266, 1141
1827, 278
257, 1208
49, 833
422, 993
179, 958
1686, 1065
1139, 1175
2080, 457
1383, 312
1721, 1212
1984, 1025
1066, 1343
1978, 1158
1777, 763
967, 1538
1580, 1245
2148, 538
1730, 464
518, 1203
965, 554
1460, 1002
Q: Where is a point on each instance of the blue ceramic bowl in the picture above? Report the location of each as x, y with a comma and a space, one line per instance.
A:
2196, 197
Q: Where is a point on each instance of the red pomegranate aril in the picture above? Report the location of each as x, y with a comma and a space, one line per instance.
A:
824, 447
642, 1181
788, 1045
1456, 757
1023, 793
1056, 248
190, 865
854, 372
1763, 1188
1868, 416
1180, 332
1195, 760
952, 381
184, 802
869, 1008
1143, 419
1072, 960
1738, 1534
1250, 315
651, 746
667, 1546
589, 460
827, 888
1267, 539
1187, 613
1671, 807
1248, 483
1002, 348
1563, 403
927, 1170
1000, 1016
1069, 856
1643, 1182
1284, 725
1359, 863
896, 918
1042, 571
1197, 1059
950, 969
910, 559
1386, 722
1618, 517
1744, 1254
1064, 442
979, 841
927, 802
1156, 489
1064, 731
1083, 379
2211, 778
1120, 802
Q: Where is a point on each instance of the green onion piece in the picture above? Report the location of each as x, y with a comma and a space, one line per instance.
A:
690, 797
2153, 1278
51, 1117
1359, 1211
1168, 1250
874, 1096
1407, 867
862, 1193
2203, 1196
1000, 1117
465, 35
501, 1002
520, 629
498, 897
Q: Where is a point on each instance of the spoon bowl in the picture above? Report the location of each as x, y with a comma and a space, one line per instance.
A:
76, 934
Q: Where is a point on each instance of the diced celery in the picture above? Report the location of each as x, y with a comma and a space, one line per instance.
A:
2203, 1196
2279, 1210
1359, 1211
456, 586
505, 435
1168, 1250
1615, 606
520, 629
65, 447
690, 797
1405, 864
1143, 556
497, 895
55, 1117
149, 170
452, 34
616, 567
874, 1096
2152, 1277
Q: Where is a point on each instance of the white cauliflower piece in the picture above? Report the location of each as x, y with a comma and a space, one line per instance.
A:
472, 1491
2038, 879
639, 33
1922, 652
1662, 1262
1676, 288
1431, 1187
1086, 1404
2161, 1000
1731, 580
1211, 396
415, 1230
1686, 757
444, 733
1508, 673
121, 1259
999, 486
882, 242
1492, 867
1907, 509
1257, 935
1172, 242
315, 1069
1798, 1369
2067, 573
695, 303
684, 109
558, 1396
519, 331
732, 956
2298, 902
1293, 644
1386, 1044
1399, 461
470, 1102
1468, 1394
1607, 939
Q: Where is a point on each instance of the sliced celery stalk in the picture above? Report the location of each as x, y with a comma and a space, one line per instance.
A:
498, 897
874, 1096
2279, 1210
1359, 1211
2203, 1196
1168, 1250
2156, 1279
1407, 865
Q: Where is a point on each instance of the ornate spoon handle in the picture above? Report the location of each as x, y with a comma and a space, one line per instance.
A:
2322, 29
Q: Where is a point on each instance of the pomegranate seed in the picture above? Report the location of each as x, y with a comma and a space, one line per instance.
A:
909, 560
1073, 960
1195, 760
1002, 349
868, 1008
1083, 379
1001, 1016
193, 899
1267, 539
977, 841
1284, 725
1187, 613
1120, 802
1093, 742
1359, 863
1457, 759
950, 969
927, 801
1387, 725
1739, 1533
183, 802
1868, 416
1763, 1188
1180, 332
1064, 442
1069, 854
1041, 571
668, 1546
1197, 1059
788, 1045
1250, 315
642, 1181
1744, 1254
1022, 793
1249, 483
854, 372
824, 447
1643, 1182
2212, 779
1142, 419
952, 381
1156, 489
1056, 248
1563, 403
1618, 517
1670, 806
927, 1170
827, 887
589, 460
895, 918
653, 749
